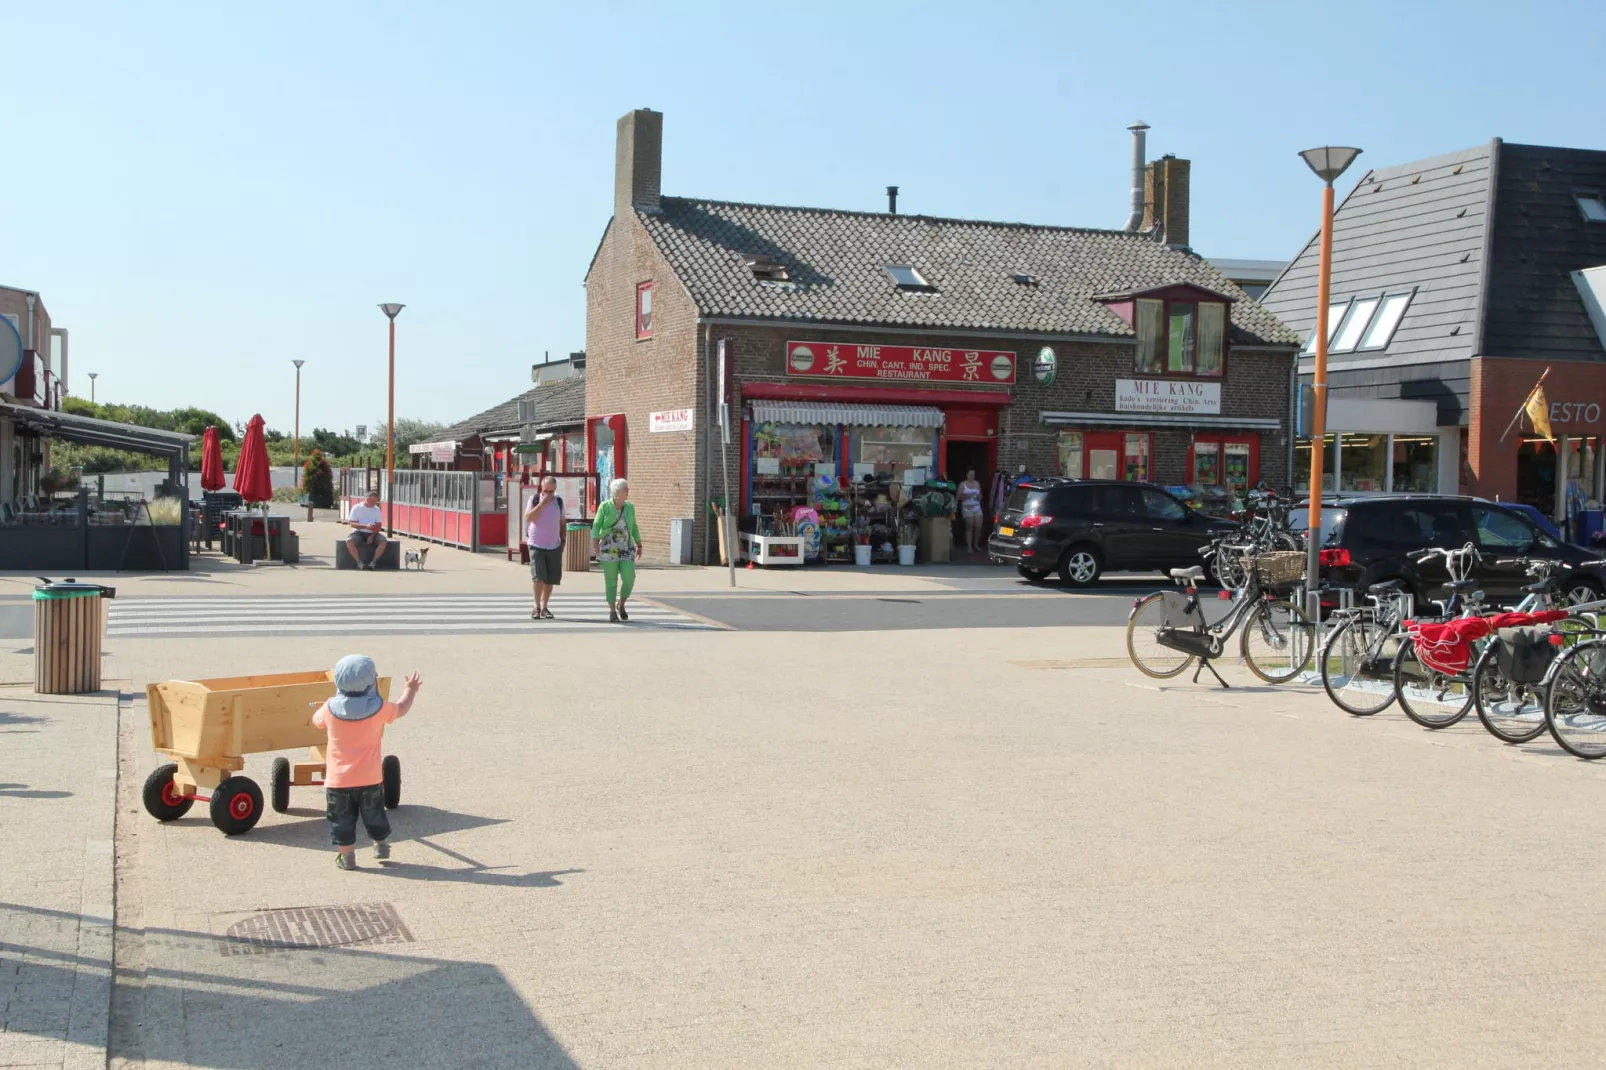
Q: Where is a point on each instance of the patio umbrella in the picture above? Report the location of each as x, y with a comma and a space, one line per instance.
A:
251, 477
211, 460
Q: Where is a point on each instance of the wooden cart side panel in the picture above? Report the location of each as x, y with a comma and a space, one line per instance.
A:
156, 709
182, 709
280, 718
277, 679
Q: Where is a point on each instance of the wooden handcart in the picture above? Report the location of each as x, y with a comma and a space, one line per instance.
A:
208, 727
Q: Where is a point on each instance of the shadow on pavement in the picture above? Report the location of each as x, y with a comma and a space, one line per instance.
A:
22, 791
407, 822
291, 1009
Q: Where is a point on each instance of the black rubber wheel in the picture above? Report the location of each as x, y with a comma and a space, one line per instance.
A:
236, 805
1277, 641
1033, 575
1513, 713
392, 773
281, 785
1575, 700
1431, 699
1358, 668
162, 800
1081, 566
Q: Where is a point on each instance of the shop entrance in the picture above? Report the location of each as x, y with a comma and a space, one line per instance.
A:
962, 456
1536, 475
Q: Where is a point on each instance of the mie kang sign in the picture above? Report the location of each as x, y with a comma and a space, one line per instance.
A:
1176, 396
835, 360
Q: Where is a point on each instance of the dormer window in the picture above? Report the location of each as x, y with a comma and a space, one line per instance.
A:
907, 278
1180, 337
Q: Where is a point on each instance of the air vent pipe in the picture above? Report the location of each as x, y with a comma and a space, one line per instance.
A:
1139, 159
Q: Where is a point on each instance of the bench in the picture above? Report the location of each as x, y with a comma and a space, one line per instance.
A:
390, 560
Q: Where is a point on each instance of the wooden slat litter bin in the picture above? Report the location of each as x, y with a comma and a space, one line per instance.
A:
577, 548
69, 623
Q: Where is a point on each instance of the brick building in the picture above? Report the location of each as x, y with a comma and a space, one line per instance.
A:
1458, 282
859, 341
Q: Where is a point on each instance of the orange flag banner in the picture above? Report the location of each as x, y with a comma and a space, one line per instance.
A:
1538, 410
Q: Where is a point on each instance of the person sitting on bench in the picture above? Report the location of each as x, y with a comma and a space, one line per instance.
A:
367, 518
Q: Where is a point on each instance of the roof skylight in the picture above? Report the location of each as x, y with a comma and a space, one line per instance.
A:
1592, 205
1024, 278
1362, 323
907, 278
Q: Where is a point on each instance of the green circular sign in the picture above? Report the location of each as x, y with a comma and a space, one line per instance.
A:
1044, 367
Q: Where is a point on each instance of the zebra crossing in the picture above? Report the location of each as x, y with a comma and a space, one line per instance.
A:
355, 614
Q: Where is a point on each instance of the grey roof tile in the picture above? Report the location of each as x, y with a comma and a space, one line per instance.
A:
837, 259
557, 403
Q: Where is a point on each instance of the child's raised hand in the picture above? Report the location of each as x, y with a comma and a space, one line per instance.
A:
414, 682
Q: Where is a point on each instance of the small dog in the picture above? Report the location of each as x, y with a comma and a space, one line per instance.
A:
415, 559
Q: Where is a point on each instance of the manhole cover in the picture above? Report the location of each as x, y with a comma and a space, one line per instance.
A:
314, 927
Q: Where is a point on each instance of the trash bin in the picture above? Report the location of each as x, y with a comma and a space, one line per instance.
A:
69, 623
577, 548
680, 541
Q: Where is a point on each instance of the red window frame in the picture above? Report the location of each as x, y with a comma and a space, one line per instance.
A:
1221, 442
643, 323
1166, 304
1104, 440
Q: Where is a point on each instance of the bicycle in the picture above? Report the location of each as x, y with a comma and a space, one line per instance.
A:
1357, 661
1512, 675
1575, 699
1172, 631
1266, 531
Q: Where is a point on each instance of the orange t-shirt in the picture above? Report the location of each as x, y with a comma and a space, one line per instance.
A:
353, 758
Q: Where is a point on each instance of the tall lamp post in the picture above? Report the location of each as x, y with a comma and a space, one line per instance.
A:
92, 377
391, 310
1328, 162
297, 447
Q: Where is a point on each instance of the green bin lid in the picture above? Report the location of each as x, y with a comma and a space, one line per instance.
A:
578, 525
55, 591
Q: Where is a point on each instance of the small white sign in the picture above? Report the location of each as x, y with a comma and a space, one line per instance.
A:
767, 466
670, 420
1183, 396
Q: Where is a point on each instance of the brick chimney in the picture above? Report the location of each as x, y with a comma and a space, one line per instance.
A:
638, 161
1165, 199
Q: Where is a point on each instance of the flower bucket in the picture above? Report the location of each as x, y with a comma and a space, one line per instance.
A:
906, 555
861, 554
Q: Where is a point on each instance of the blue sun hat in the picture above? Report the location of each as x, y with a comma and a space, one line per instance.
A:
358, 683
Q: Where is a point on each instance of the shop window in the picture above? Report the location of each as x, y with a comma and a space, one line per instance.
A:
574, 453
786, 459
1150, 320
892, 449
644, 310
1362, 463
1236, 464
1136, 466
1302, 464
1071, 454
1416, 464
1207, 463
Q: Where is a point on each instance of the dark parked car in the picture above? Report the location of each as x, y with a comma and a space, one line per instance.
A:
1082, 528
1368, 540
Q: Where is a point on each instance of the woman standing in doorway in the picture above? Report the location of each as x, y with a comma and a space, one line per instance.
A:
970, 511
618, 546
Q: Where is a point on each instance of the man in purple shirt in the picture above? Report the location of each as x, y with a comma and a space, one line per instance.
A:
544, 533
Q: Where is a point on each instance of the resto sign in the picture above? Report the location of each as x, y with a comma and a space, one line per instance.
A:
836, 360
670, 420
1180, 396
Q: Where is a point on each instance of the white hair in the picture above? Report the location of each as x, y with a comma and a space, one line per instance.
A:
616, 486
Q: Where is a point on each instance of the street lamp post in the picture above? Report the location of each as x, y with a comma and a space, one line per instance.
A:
92, 377
1328, 162
297, 447
391, 310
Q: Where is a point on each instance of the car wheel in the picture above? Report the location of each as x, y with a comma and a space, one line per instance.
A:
1033, 575
1581, 589
1081, 566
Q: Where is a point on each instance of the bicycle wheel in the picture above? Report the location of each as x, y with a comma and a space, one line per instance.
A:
1229, 569
1358, 667
1428, 697
1277, 641
1513, 713
1142, 640
1575, 700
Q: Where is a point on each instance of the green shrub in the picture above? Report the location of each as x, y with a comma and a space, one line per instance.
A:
318, 481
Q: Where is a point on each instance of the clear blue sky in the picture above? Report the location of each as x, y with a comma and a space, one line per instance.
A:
203, 191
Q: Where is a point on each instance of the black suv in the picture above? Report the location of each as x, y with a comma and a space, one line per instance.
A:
1369, 540
1084, 527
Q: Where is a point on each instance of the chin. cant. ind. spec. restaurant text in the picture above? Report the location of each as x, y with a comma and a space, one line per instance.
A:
834, 360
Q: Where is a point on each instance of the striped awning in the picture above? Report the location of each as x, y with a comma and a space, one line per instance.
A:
825, 412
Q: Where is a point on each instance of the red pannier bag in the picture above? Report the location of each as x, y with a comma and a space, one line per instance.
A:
1447, 646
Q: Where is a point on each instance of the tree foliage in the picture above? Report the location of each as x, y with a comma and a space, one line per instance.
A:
318, 481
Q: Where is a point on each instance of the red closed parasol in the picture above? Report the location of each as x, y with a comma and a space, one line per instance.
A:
211, 460
251, 476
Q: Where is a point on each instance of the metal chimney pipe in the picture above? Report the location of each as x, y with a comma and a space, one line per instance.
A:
61, 374
892, 200
1139, 160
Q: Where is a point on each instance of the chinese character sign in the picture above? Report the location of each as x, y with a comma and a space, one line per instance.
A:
835, 360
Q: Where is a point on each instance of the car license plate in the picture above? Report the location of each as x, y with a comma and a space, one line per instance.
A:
1006, 531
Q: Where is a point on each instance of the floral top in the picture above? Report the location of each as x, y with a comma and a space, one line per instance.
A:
615, 531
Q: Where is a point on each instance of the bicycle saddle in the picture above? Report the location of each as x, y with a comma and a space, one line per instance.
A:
1194, 573
1386, 585
1461, 585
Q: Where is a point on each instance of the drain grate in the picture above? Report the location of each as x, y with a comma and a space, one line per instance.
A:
299, 928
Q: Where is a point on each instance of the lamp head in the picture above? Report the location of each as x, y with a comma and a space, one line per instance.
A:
298, 363
391, 308
1329, 161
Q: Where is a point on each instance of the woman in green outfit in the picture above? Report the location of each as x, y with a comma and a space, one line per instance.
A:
618, 545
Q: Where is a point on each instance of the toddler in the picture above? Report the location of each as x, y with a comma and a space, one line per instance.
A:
353, 778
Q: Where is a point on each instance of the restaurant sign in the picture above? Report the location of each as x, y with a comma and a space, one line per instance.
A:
1177, 396
670, 420
836, 360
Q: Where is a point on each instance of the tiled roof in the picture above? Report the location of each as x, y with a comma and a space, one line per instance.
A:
836, 262
557, 404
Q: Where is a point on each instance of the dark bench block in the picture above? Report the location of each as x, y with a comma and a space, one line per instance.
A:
389, 560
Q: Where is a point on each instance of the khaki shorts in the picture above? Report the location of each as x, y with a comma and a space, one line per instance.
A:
546, 566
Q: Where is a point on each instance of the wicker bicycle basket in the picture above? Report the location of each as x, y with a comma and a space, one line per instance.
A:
1280, 568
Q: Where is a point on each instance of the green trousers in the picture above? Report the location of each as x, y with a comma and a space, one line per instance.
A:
612, 573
